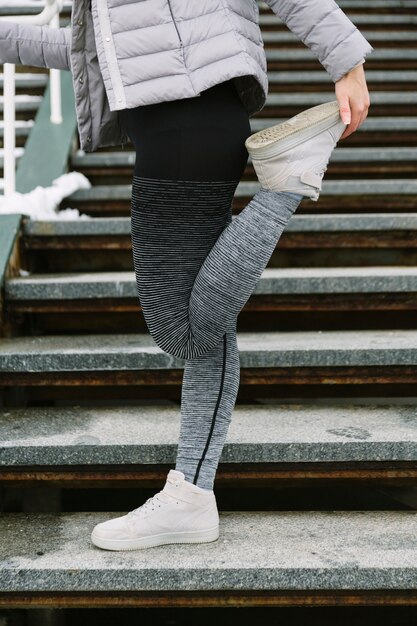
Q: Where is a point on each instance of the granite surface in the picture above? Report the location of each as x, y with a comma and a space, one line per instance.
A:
272, 281
284, 36
298, 223
257, 349
257, 434
308, 99
386, 123
359, 19
255, 550
369, 186
380, 55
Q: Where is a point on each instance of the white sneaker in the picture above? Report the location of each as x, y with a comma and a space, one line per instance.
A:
293, 155
181, 513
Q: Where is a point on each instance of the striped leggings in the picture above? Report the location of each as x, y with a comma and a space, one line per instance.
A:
195, 266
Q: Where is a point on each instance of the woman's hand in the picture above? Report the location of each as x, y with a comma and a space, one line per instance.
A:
353, 97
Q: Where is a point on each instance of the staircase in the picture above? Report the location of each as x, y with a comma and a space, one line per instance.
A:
316, 486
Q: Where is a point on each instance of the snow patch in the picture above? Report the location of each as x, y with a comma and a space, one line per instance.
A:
42, 202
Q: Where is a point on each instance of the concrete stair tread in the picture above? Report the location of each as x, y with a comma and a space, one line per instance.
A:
383, 187
19, 6
138, 351
256, 550
257, 434
347, 5
341, 222
273, 281
371, 124
311, 99
47, 557
319, 76
371, 34
359, 19
305, 54
34, 5
339, 155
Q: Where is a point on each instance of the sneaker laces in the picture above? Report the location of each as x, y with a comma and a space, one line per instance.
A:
151, 503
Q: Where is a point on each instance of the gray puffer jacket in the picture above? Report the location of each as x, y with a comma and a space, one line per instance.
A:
123, 54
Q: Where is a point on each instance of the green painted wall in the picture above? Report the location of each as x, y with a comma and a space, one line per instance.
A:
48, 146
9, 230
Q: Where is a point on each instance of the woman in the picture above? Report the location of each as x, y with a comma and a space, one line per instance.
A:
182, 79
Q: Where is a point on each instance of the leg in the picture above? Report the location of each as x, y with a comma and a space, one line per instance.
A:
229, 260
174, 226
190, 159
195, 267
209, 391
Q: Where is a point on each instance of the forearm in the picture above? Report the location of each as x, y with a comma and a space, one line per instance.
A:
327, 31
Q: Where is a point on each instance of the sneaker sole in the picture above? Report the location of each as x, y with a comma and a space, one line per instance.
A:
281, 137
191, 536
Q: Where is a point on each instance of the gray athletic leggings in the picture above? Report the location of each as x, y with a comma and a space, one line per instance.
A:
195, 267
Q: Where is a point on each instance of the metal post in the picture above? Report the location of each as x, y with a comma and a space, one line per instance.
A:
55, 82
9, 116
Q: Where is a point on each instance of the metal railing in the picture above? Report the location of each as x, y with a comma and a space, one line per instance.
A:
48, 16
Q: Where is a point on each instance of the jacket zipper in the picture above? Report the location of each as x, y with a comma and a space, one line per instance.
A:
175, 24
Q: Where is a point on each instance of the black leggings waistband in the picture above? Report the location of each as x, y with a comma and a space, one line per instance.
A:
199, 138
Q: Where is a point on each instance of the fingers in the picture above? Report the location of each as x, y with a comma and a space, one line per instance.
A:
356, 120
344, 108
353, 98
354, 124
345, 114
358, 112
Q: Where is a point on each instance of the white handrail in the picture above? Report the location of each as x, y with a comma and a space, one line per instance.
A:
48, 16
51, 8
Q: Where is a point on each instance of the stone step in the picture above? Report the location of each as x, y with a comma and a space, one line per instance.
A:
34, 6
375, 5
321, 76
274, 551
305, 54
308, 99
136, 351
23, 6
270, 20
108, 226
394, 186
376, 124
373, 36
127, 158
148, 434
274, 281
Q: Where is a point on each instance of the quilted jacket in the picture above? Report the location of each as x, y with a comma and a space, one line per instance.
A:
126, 53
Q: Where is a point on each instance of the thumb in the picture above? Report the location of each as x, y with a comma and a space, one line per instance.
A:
344, 109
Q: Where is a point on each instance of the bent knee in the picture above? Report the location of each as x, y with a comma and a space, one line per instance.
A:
178, 342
